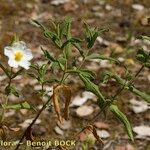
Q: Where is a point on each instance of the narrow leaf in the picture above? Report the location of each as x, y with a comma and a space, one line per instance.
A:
102, 57
90, 86
137, 92
114, 109
22, 105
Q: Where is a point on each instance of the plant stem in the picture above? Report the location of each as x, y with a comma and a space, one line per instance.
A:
4, 110
6, 99
32, 123
119, 92
84, 58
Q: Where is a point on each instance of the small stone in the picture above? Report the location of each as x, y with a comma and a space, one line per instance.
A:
37, 87
96, 8
120, 148
138, 106
129, 61
9, 113
103, 134
65, 125
80, 100
142, 131
101, 125
23, 111
105, 64
101, 41
116, 48
99, 14
121, 39
121, 59
108, 7
84, 110
59, 2
72, 6
138, 7
26, 123
129, 147
58, 130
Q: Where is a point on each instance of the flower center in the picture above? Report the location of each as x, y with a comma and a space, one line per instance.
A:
18, 56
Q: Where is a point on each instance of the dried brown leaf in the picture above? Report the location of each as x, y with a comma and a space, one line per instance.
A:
67, 93
56, 96
62, 92
14, 129
92, 129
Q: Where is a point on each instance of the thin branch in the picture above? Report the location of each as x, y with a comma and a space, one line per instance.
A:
32, 123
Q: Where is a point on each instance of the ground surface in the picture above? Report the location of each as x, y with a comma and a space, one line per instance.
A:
125, 22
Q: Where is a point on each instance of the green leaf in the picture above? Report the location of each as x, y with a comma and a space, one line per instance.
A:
49, 34
92, 34
102, 57
21, 105
86, 73
90, 86
72, 41
137, 92
114, 109
52, 81
131, 88
116, 77
14, 39
48, 55
67, 47
78, 47
59, 64
142, 56
11, 90
145, 38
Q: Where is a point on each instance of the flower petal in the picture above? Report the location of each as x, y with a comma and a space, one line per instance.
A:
13, 63
28, 55
8, 51
24, 64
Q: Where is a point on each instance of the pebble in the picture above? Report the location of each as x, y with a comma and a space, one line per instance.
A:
142, 131
116, 48
65, 125
101, 125
137, 7
100, 40
103, 134
108, 7
105, 64
80, 100
26, 123
59, 2
138, 106
83, 111
9, 113
58, 130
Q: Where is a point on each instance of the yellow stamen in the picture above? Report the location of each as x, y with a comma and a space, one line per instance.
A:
18, 56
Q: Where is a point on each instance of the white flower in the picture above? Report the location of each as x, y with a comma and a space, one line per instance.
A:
18, 54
